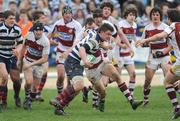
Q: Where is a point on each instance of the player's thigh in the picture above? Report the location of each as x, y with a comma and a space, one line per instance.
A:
170, 78
110, 71
28, 75
45, 67
14, 74
60, 70
3, 73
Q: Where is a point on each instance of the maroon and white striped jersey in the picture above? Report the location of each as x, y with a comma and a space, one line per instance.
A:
65, 34
130, 32
175, 41
36, 48
151, 30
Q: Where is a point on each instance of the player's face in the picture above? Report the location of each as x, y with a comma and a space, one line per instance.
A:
156, 17
38, 33
98, 21
92, 26
23, 17
106, 36
131, 17
42, 19
67, 17
106, 12
10, 21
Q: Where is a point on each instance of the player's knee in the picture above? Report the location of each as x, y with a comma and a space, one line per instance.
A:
61, 78
29, 82
115, 76
133, 75
16, 79
167, 82
77, 83
4, 78
103, 93
27, 86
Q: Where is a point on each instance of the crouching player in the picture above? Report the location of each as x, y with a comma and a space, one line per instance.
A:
91, 44
38, 47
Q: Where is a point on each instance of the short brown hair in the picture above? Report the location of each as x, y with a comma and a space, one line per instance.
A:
130, 9
174, 15
97, 13
155, 10
37, 14
105, 27
8, 13
107, 4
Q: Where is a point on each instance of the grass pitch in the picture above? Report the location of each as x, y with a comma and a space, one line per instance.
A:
116, 108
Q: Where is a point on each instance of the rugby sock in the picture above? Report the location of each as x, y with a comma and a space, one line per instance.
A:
176, 87
95, 97
59, 87
146, 94
101, 104
27, 91
89, 88
4, 97
172, 96
131, 87
42, 83
66, 96
17, 88
125, 91
2, 91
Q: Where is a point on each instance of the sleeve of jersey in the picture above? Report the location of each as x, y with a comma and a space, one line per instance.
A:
19, 39
115, 31
78, 31
89, 45
26, 40
168, 30
46, 49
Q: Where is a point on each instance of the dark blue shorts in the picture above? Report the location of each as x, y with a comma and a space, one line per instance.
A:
9, 62
73, 67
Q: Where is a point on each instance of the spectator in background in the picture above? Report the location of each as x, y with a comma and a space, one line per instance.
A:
80, 16
43, 5
78, 4
165, 8
116, 15
91, 6
14, 7
178, 7
24, 22
54, 5
139, 5
25, 4
57, 14
1, 7
115, 4
144, 20
1, 17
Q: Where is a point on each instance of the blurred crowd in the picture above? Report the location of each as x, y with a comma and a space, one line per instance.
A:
83, 9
